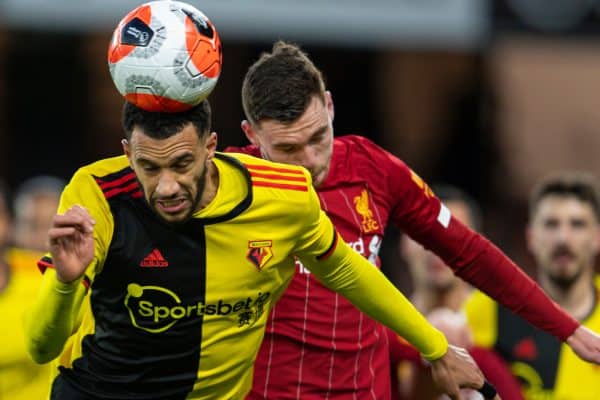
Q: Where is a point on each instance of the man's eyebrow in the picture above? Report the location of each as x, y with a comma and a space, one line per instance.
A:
320, 131
176, 160
316, 133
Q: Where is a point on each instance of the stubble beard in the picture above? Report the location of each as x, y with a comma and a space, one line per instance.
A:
565, 282
201, 186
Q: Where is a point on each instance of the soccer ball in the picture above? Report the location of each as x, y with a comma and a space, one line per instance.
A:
165, 56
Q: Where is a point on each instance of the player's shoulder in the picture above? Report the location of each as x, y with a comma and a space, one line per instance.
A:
261, 169
106, 167
273, 181
248, 149
360, 148
356, 142
593, 319
111, 176
477, 301
357, 157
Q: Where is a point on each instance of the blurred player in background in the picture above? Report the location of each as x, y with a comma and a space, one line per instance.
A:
180, 254
317, 344
6, 228
434, 284
563, 236
439, 294
35, 203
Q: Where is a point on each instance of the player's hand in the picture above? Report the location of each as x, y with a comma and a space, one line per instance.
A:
586, 344
456, 370
71, 243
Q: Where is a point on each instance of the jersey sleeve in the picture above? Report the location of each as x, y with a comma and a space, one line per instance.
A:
84, 191
342, 269
55, 314
420, 214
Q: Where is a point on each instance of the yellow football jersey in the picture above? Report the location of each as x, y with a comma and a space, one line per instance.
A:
547, 368
20, 377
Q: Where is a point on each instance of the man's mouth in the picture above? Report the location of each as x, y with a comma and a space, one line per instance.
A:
173, 206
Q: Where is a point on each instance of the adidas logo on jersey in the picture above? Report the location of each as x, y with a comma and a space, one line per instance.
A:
154, 259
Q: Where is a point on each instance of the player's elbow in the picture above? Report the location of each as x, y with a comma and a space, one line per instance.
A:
41, 353
42, 344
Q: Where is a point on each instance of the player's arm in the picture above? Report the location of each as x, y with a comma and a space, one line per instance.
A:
476, 260
342, 269
420, 214
53, 317
76, 249
350, 274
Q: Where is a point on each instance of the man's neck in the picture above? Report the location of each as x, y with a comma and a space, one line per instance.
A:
212, 185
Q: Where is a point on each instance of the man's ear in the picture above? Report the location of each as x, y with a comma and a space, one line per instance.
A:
126, 149
250, 133
211, 145
329, 104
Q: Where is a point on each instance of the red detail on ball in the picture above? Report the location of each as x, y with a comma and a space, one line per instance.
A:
153, 103
116, 50
205, 53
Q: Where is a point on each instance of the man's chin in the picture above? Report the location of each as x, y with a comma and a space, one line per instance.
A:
564, 279
174, 219
319, 179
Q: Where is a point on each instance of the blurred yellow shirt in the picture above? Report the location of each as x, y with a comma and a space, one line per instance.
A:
546, 368
20, 377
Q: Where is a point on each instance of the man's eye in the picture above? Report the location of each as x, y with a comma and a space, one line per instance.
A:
150, 168
550, 224
182, 165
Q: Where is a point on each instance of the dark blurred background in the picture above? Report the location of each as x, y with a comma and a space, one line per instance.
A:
486, 95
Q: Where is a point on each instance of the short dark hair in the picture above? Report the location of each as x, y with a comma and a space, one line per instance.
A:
446, 193
35, 186
581, 185
161, 125
280, 85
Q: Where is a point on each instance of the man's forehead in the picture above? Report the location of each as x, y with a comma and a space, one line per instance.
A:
165, 154
563, 205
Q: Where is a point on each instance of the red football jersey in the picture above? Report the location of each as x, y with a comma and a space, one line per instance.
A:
317, 345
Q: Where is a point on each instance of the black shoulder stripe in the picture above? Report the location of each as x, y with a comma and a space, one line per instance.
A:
119, 182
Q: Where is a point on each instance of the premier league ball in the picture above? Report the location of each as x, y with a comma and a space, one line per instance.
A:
165, 56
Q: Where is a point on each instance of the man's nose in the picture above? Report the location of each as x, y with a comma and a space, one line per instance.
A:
167, 185
308, 158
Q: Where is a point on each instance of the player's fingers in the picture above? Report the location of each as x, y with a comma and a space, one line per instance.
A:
55, 234
80, 210
83, 213
75, 218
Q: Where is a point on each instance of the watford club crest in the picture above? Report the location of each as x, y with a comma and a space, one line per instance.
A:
259, 252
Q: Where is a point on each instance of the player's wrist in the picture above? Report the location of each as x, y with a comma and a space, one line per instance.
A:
440, 351
66, 287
